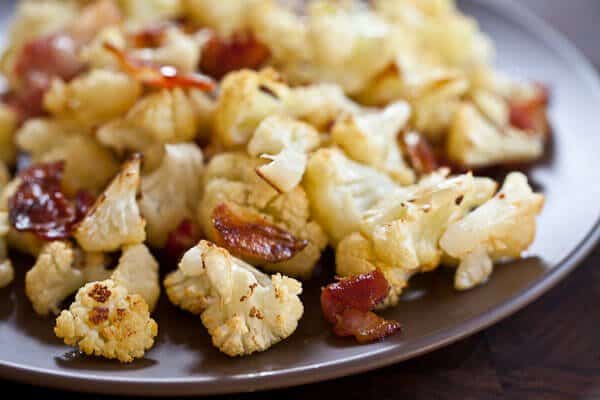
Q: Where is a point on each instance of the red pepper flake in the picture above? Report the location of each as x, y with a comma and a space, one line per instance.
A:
161, 77
420, 153
252, 237
181, 239
531, 115
242, 50
347, 304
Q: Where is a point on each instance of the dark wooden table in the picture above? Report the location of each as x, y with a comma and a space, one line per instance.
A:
549, 350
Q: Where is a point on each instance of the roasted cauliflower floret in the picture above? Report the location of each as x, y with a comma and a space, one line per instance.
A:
8, 126
171, 193
231, 183
84, 98
7, 273
501, 228
94, 53
400, 234
141, 12
477, 141
157, 118
245, 99
225, 17
244, 310
372, 139
105, 320
88, 165
137, 272
341, 190
285, 142
114, 220
59, 271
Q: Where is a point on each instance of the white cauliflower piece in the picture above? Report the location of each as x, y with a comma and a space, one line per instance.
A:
230, 179
171, 193
372, 139
225, 16
501, 228
143, 12
341, 190
245, 311
245, 99
160, 117
114, 220
94, 53
84, 98
59, 271
286, 143
105, 320
475, 141
137, 272
8, 126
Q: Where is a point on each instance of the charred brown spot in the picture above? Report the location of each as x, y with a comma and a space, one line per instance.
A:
252, 237
501, 195
268, 91
419, 152
100, 293
256, 313
121, 313
98, 315
458, 201
250, 293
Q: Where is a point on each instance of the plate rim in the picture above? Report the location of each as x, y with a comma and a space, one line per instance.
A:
86, 382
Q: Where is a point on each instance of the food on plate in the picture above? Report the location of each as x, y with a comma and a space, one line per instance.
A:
235, 141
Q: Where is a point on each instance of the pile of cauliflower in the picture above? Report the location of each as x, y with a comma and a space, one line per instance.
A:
352, 126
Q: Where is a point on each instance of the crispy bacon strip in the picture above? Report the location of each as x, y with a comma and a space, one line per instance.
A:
419, 152
242, 50
181, 239
162, 77
40, 206
252, 237
531, 115
347, 304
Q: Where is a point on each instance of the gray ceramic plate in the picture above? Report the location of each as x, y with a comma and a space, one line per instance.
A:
184, 362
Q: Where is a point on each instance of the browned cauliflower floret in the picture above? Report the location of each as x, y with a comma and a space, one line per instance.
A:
114, 220
8, 126
171, 193
372, 139
7, 273
144, 12
59, 271
225, 16
501, 228
244, 310
105, 320
341, 190
84, 98
137, 272
231, 181
286, 143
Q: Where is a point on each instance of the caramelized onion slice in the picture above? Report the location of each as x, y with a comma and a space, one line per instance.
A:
347, 304
253, 238
161, 77
419, 152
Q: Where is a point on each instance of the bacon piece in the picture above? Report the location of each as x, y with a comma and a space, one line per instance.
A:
347, 304
530, 115
419, 152
162, 77
242, 50
84, 200
252, 237
181, 239
40, 206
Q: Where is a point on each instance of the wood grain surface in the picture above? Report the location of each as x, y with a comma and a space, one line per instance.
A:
549, 350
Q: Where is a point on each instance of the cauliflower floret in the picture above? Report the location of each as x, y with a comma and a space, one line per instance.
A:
230, 179
88, 165
7, 273
8, 126
94, 53
475, 141
142, 12
225, 16
372, 139
400, 234
105, 320
244, 310
58, 272
245, 99
115, 220
84, 98
286, 143
501, 228
341, 190
160, 117
137, 272
171, 193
